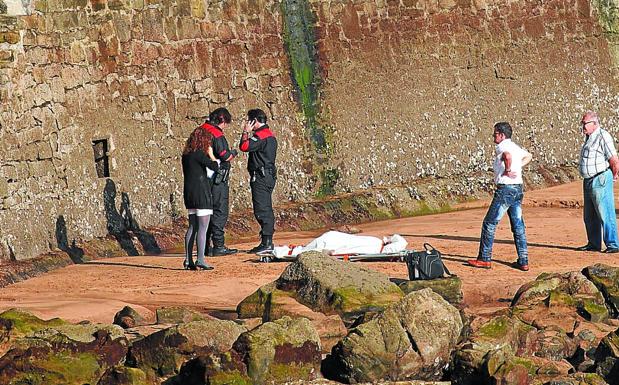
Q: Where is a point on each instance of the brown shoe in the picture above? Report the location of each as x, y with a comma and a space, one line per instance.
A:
479, 263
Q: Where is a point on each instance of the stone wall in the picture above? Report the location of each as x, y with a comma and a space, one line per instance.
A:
428, 79
404, 91
140, 75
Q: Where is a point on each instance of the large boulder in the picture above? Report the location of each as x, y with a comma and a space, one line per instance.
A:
269, 304
413, 338
505, 368
449, 288
571, 290
329, 286
64, 355
607, 358
606, 278
502, 333
165, 351
281, 351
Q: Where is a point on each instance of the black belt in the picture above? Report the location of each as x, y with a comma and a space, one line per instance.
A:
505, 184
598, 174
262, 171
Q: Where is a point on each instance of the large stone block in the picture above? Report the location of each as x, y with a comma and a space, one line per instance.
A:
165, 351
413, 338
330, 286
281, 351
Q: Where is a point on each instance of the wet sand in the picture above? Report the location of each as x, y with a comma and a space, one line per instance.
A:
96, 290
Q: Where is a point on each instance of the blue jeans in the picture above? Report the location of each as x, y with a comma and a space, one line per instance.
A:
507, 198
599, 213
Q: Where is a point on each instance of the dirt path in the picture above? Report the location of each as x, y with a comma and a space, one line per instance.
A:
97, 290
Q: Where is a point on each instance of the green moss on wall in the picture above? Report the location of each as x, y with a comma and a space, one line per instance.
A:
608, 14
329, 178
300, 43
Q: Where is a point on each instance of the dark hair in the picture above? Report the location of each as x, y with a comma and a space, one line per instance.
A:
504, 128
200, 139
257, 114
220, 116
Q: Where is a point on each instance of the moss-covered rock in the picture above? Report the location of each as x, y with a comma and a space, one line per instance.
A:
215, 369
16, 323
569, 290
52, 357
177, 315
270, 304
606, 279
127, 317
501, 333
330, 286
449, 288
281, 351
607, 358
413, 338
165, 351
577, 379
124, 375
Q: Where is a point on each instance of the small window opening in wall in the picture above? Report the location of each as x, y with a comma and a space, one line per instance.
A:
102, 164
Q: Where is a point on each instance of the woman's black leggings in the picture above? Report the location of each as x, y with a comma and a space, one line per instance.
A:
197, 226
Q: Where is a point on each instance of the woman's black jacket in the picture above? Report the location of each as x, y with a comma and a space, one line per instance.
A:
197, 186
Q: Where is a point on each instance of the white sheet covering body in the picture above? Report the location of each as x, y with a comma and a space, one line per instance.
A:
337, 243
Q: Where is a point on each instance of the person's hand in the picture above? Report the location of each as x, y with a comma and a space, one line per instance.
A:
210, 152
509, 174
249, 126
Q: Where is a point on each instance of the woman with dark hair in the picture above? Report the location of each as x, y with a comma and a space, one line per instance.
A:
197, 157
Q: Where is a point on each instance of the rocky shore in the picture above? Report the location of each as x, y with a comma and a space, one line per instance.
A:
325, 321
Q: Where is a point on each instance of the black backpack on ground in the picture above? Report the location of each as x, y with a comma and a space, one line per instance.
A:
426, 264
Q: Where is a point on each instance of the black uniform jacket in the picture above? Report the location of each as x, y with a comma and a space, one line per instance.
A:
262, 148
197, 185
220, 145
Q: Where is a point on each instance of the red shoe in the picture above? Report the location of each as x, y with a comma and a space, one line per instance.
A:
479, 263
518, 266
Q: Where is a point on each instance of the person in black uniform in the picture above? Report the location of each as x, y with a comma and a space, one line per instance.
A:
258, 140
218, 121
197, 156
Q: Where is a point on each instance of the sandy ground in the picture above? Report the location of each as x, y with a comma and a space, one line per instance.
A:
96, 290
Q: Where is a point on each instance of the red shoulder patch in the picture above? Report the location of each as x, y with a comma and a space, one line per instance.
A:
215, 131
263, 134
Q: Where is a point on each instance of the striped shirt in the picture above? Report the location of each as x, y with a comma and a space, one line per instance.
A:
598, 148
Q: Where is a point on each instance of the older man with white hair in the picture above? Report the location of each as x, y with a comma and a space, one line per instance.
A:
598, 166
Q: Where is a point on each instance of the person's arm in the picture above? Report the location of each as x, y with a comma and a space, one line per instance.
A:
614, 166
211, 154
249, 142
610, 152
526, 159
222, 151
206, 161
506, 157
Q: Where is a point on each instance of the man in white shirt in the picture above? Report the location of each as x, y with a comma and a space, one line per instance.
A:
510, 158
598, 166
